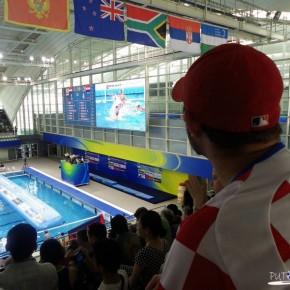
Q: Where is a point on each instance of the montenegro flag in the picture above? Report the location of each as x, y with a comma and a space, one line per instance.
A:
45, 14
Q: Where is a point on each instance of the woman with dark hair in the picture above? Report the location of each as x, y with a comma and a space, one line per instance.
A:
129, 243
149, 259
53, 252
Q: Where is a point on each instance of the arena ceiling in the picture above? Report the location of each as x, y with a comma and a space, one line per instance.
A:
256, 20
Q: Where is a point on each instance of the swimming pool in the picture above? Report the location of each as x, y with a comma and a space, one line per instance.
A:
73, 209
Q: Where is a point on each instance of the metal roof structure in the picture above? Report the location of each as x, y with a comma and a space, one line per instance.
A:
258, 21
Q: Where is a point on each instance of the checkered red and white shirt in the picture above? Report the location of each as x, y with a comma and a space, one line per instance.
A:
240, 236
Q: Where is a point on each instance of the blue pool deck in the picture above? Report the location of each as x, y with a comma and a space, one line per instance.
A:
77, 193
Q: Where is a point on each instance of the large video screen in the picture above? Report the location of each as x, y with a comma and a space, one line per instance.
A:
121, 105
79, 105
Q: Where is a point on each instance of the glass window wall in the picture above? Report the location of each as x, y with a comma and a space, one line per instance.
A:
98, 61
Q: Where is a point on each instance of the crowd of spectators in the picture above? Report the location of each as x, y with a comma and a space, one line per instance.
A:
125, 257
73, 159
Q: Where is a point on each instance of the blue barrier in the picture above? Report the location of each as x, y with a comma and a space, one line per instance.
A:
103, 180
132, 191
118, 186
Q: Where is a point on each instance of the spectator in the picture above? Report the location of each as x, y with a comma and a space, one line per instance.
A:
46, 235
83, 240
165, 224
129, 243
176, 211
88, 274
64, 240
25, 163
96, 232
108, 257
133, 226
72, 246
53, 252
139, 211
149, 259
25, 273
172, 219
231, 97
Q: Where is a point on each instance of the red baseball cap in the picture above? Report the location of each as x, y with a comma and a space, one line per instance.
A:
233, 88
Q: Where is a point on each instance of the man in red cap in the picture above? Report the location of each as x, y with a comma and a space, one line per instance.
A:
240, 239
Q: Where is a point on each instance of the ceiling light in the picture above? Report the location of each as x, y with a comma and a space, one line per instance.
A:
31, 58
4, 78
1, 55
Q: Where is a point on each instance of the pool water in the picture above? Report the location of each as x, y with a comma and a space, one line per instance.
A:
72, 211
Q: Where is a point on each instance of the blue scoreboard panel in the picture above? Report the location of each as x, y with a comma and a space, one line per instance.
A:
79, 105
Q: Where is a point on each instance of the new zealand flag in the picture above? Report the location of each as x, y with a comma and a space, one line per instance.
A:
100, 18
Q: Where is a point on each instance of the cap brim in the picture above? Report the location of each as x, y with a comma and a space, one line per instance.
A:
177, 91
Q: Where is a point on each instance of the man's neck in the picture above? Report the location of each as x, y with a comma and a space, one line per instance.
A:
227, 166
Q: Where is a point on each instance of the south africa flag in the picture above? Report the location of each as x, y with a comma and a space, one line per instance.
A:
145, 26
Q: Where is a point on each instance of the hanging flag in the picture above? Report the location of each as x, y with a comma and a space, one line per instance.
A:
212, 36
145, 26
100, 18
45, 14
184, 34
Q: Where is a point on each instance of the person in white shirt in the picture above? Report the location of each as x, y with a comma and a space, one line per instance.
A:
107, 254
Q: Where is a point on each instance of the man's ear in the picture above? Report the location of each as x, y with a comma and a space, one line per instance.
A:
192, 125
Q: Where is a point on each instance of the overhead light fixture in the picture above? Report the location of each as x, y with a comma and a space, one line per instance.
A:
16, 80
31, 58
1, 55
